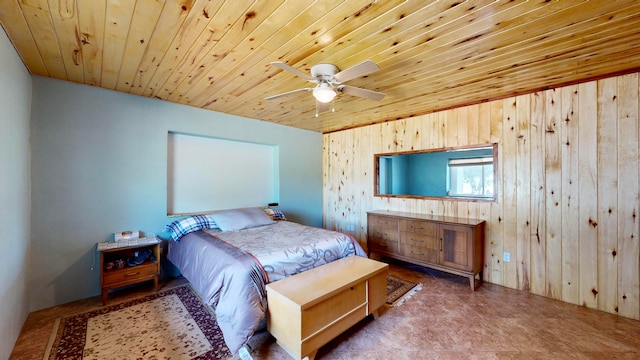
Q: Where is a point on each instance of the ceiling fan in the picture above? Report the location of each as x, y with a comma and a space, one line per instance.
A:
329, 82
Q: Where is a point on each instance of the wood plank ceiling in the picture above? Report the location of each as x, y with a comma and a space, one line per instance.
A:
433, 55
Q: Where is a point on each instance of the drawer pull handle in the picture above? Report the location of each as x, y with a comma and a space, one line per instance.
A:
383, 245
352, 288
415, 253
133, 274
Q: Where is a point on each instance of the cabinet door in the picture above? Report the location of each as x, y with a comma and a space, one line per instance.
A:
456, 247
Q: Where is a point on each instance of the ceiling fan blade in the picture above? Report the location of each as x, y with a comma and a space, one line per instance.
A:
293, 70
287, 93
362, 69
364, 93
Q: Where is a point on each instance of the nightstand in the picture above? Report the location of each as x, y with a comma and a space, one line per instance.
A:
113, 276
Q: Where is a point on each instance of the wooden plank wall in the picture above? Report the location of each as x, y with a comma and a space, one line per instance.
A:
568, 191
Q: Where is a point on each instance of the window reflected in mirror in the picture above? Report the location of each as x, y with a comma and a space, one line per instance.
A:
456, 173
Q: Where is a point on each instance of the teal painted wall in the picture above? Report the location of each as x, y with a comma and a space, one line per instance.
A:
15, 108
428, 172
99, 166
400, 167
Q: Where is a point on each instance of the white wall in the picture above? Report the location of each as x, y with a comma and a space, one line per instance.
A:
100, 166
15, 99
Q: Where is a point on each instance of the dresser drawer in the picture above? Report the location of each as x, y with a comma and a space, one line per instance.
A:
422, 240
335, 307
128, 274
382, 221
419, 253
382, 246
417, 226
384, 234
383, 240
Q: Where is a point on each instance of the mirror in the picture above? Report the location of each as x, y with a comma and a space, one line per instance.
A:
455, 173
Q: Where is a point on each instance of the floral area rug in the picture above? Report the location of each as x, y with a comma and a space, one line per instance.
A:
172, 324
399, 290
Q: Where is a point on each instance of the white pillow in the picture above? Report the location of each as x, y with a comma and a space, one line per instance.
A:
238, 219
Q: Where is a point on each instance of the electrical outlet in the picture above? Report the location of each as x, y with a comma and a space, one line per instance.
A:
351, 227
506, 257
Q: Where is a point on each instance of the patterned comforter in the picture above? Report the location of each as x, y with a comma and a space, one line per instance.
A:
230, 269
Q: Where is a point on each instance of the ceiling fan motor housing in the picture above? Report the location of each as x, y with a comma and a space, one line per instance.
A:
324, 71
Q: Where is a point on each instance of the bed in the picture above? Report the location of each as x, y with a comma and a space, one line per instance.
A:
228, 257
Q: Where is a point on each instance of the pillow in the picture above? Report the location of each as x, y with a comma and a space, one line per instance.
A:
182, 227
275, 214
238, 219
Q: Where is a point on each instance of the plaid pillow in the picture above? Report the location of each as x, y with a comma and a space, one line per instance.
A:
182, 227
275, 214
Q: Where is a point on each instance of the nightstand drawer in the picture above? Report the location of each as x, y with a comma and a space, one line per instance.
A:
112, 277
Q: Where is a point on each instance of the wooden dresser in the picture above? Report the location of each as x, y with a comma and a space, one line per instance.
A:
311, 308
453, 245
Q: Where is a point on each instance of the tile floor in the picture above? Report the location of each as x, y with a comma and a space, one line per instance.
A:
443, 321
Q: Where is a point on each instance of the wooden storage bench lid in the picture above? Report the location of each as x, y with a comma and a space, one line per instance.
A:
310, 287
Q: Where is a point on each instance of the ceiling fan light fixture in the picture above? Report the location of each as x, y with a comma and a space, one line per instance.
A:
324, 93
329, 82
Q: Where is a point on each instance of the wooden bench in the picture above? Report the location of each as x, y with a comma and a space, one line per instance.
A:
309, 309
